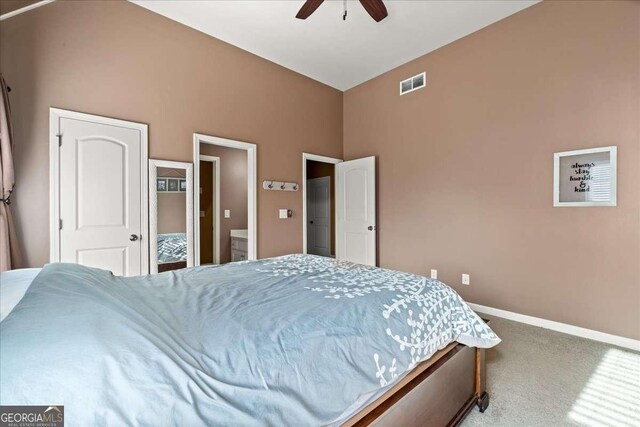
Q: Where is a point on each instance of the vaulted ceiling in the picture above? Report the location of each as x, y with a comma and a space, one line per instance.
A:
341, 54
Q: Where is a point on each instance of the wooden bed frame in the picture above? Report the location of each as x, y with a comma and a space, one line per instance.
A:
440, 391
168, 266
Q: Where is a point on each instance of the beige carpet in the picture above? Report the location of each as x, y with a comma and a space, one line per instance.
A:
538, 377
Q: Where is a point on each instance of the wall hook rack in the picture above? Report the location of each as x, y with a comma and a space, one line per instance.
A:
280, 185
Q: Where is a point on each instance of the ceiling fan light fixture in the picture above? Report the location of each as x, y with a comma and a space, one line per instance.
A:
375, 8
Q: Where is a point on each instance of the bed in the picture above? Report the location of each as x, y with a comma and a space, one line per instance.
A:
172, 251
293, 340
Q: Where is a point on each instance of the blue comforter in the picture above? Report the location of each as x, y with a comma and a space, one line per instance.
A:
291, 341
172, 247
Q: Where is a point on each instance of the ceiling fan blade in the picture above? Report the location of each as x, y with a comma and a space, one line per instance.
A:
375, 8
308, 8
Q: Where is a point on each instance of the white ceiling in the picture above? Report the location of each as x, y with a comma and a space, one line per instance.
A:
339, 53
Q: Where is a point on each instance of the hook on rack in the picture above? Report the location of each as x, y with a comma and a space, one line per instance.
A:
280, 185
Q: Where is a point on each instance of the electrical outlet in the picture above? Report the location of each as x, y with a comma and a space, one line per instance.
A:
465, 279
434, 273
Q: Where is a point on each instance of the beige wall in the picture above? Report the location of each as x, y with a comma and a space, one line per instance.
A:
118, 60
233, 193
466, 164
172, 213
172, 207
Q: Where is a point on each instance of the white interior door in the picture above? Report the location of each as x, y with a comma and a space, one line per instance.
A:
100, 195
356, 211
319, 216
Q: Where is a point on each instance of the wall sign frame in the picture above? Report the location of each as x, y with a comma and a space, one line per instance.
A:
584, 178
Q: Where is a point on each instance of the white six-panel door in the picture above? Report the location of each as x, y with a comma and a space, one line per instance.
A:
100, 194
356, 211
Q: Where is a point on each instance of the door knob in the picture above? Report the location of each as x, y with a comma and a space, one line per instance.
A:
371, 228
133, 237
310, 222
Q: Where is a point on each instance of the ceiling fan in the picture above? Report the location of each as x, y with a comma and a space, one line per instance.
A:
375, 8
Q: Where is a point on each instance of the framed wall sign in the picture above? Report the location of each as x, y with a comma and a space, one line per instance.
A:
585, 177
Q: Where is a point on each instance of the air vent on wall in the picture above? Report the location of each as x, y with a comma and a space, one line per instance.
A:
413, 83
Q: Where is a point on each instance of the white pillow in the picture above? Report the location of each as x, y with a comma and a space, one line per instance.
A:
13, 285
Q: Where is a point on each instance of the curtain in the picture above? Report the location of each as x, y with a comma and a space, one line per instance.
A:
9, 252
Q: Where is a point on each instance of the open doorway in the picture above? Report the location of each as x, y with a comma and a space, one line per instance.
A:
319, 204
209, 209
225, 200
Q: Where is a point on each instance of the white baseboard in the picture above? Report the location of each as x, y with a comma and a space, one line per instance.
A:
559, 327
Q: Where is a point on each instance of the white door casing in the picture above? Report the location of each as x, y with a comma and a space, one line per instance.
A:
99, 192
356, 211
319, 216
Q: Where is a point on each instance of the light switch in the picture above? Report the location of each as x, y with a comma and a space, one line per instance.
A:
284, 214
465, 279
434, 273
227, 213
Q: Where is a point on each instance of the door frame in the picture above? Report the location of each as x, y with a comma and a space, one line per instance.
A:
55, 114
216, 215
251, 149
317, 158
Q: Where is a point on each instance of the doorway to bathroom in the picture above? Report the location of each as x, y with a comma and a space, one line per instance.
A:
225, 200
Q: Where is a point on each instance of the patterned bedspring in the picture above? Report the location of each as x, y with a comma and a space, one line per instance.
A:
297, 340
172, 247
